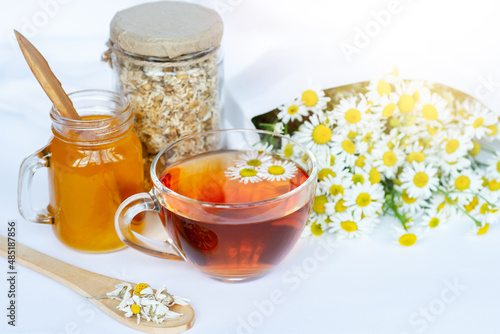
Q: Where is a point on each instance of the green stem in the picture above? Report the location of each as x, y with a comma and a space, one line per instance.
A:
478, 223
474, 194
392, 205
267, 126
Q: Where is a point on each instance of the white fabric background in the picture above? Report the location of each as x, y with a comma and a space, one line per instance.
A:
448, 283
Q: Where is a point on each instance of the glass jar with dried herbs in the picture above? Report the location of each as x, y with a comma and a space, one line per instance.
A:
168, 62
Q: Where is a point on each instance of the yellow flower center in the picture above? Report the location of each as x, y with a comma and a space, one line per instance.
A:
451, 146
352, 134
248, 172
254, 162
367, 137
408, 239
375, 176
319, 204
472, 205
363, 200
352, 116
316, 229
332, 160
360, 162
276, 170
349, 226
407, 199
383, 88
449, 200
483, 229
415, 156
416, 96
358, 178
485, 182
321, 134
493, 128
348, 146
432, 130
324, 173
288, 151
389, 159
388, 110
138, 289
441, 206
484, 209
493, 185
430, 113
339, 206
136, 309
394, 122
462, 113
476, 149
478, 122
420, 179
406, 103
462, 183
292, 110
336, 189
434, 222
310, 98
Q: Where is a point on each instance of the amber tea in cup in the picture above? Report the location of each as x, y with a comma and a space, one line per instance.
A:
232, 204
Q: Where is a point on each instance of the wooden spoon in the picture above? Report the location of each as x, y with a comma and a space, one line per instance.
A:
46, 78
89, 284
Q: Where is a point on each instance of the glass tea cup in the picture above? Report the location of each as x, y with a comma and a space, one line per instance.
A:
234, 202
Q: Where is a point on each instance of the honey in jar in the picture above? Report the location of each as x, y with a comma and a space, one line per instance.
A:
93, 165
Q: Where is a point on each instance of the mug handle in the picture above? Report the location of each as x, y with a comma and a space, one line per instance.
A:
29, 167
126, 212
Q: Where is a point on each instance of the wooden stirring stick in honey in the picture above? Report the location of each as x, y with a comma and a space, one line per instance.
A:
46, 78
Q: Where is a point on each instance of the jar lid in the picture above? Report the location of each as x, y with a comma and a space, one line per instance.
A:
166, 29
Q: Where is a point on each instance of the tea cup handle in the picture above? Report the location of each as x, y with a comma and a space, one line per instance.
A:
126, 212
29, 167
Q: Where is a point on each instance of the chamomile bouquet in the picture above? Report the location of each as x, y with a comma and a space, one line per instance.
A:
412, 149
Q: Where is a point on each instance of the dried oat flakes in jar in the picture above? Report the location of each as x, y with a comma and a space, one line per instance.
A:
167, 61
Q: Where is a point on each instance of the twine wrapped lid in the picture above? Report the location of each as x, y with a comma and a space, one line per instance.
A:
166, 29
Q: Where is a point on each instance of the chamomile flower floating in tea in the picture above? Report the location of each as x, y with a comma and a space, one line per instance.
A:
244, 174
235, 213
141, 301
411, 149
277, 170
252, 159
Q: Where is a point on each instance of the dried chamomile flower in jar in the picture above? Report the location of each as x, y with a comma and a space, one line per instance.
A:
167, 60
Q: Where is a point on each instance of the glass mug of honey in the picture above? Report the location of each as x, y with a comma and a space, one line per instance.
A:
93, 165
233, 202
